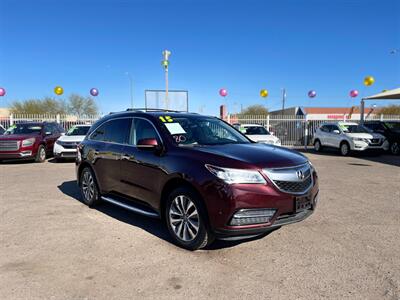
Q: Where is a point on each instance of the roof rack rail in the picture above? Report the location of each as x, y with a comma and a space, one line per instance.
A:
153, 109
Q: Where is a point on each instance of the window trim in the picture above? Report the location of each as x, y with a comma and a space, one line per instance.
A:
130, 117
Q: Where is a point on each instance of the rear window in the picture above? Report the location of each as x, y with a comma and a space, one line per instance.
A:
24, 129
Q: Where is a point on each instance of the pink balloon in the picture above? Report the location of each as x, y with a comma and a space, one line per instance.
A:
312, 94
2, 92
353, 93
223, 92
94, 92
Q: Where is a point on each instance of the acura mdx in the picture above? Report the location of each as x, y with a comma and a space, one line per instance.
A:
200, 175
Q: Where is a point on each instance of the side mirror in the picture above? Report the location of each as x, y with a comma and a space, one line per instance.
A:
147, 144
336, 131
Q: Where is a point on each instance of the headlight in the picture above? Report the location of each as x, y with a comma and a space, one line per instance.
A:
278, 142
231, 176
58, 142
28, 142
361, 140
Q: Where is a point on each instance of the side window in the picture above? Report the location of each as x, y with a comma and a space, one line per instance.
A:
333, 127
143, 129
99, 133
117, 131
325, 128
48, 128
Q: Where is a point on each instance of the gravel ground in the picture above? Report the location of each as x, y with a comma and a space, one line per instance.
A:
54, 247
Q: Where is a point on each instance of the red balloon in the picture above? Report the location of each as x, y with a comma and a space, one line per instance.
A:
223, 92
353, 93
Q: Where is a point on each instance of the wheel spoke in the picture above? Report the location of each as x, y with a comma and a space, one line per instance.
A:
184, 218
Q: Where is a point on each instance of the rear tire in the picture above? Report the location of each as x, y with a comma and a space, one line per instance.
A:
344, 148
89, 188
41, 154
395, 148
317, 146
186, 219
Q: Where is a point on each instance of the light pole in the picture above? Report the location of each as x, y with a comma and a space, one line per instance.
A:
165, 64
130, 86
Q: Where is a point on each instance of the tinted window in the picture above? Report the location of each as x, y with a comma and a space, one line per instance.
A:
325, 128
143, 129
78, 130
24, 129
333, 127
114, 131
256, 130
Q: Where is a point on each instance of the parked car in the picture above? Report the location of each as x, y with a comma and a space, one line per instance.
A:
2, 130
30, 140
259, 134
390, 129
347, 136
65, 146
201, 176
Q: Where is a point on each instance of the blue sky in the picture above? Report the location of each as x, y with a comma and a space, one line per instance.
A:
244, 46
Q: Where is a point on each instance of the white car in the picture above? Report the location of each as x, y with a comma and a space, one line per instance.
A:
65, 146
347, 137
257, 133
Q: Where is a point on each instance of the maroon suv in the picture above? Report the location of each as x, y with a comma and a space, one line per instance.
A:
30, 140
200, 175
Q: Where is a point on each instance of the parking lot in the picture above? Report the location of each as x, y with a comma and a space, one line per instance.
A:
53, 246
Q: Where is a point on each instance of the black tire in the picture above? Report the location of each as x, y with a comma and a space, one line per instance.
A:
89, 188
195, 225
317, 146
344, 149
395, 148
41, 154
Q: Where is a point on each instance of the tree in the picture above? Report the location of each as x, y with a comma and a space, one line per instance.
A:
82, 105
75, 104
255, 110
390, 110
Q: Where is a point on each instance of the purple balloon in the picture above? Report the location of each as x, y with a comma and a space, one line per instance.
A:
353, 93
2, 92
94, 92
312, 94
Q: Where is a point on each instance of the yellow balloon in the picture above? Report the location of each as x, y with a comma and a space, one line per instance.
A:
369, 80
263, 93
58, 90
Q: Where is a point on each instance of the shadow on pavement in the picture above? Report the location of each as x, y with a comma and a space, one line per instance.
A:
383, 158
153, 226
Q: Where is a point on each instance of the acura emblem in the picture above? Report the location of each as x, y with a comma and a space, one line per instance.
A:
300, 174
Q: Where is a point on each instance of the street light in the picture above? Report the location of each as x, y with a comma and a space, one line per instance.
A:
131, 86
165, 64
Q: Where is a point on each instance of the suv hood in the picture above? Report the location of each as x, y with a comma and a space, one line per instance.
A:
260, 155
18, 137
71, 138
365, 135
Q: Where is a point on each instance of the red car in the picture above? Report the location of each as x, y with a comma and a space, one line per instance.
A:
200, 175
30, 140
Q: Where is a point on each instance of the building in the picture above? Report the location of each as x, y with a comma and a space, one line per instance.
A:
325, 113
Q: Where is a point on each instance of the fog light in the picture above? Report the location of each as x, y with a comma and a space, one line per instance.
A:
252, 216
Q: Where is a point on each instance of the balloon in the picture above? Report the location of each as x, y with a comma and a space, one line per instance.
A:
2, 92
58, 90
312, 94
223, 92
264, 93
369, 80
94, 92
353, 93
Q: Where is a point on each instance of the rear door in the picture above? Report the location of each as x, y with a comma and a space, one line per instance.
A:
141, 168
324, 134
51, 135
108, 145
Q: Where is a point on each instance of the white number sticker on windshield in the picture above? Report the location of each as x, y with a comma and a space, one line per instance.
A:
175, 128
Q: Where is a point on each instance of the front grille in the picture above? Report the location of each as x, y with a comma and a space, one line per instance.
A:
69, 145
9, 145
376, 142
294, 186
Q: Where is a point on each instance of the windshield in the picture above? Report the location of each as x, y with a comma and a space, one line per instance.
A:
256, 130
78, 130
393, 125
198, 130
24, 129
354, 128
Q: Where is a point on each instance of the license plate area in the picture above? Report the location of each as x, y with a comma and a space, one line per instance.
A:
302, 203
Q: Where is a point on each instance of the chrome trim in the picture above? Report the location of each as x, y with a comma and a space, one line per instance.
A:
293, 219
131, 208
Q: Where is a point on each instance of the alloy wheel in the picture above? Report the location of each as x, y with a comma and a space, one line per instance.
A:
184, 218
88, 186
344, 149
395, 148
42, 154
317, 146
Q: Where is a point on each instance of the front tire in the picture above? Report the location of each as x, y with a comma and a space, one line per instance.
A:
317, 146
344, 149
186, 219
89, 188
395, 148
41, 154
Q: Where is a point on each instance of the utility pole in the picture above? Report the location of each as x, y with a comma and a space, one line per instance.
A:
130, 86
283, 99
165, 64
